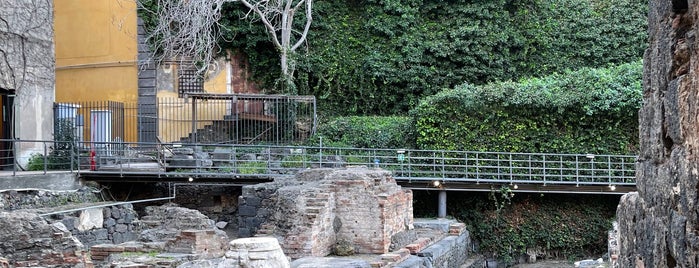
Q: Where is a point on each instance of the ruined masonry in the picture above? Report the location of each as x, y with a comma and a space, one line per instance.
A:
659, 225
318, 209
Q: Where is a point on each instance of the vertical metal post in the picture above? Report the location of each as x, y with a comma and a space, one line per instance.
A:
14, 156
442, 206
609, 168
46, 160
511, 173
194, 120
577, 170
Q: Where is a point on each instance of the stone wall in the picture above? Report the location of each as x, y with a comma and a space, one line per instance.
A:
116, 224
658, 226
27, 240
321, 207
28, 199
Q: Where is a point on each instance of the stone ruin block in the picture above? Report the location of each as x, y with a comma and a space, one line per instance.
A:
318, 208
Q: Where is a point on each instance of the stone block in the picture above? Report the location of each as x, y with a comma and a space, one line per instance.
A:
253, 201
116, 213
100, 234
109, 222
244, 232
182, 151
246, 211
222, 153
90, 219
121, 228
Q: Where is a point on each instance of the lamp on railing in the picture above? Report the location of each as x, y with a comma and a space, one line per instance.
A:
437, 184
612, 187
190, 179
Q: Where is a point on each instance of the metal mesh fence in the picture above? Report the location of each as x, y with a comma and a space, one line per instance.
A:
199, 118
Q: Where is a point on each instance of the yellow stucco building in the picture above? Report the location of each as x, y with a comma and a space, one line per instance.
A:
97, 72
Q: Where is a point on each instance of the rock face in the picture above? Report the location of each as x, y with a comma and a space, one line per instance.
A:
318, 208
659, 225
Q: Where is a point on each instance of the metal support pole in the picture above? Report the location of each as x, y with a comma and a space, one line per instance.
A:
194, 121
442, 208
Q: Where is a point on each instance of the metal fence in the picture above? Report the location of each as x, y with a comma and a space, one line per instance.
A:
229, 161
237, 119
198, 118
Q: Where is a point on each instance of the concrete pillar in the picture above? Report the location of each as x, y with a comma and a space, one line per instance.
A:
442, 207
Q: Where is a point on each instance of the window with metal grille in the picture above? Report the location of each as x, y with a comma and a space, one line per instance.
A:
189, 81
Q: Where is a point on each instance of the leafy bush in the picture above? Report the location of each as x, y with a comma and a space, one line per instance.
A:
583, 111
365, 132
64, 150
36, 162
252, 167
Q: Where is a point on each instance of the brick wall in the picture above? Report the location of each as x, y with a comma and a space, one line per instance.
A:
310, 213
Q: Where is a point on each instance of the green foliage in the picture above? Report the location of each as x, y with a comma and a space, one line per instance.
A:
559, 226
295, 161
252, 167
583, 111
64, 151
365, 132
36, 162
381, 56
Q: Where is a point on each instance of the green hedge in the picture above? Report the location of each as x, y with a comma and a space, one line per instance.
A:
583, 111
365, 132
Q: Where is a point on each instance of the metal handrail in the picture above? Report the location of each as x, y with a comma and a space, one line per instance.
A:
225, 160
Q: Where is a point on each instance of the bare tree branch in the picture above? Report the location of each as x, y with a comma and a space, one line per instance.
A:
189, 29
186, 30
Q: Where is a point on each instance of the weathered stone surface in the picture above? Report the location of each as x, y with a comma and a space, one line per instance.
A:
658, 225
256, 252
331, 262
27, 70
166, 221
89, 219
311, 212
27, 240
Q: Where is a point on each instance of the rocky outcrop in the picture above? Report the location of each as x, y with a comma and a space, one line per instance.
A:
659, 225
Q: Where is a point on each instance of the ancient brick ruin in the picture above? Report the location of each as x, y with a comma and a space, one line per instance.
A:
318, 209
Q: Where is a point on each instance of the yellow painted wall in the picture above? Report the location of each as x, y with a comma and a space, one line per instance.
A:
96, 53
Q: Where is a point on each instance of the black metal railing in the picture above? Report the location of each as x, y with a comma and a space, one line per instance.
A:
226, 160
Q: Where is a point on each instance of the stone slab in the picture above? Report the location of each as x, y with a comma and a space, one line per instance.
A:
52, 180
437, 224
329, 262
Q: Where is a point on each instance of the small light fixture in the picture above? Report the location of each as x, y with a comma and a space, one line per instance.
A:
612, 187
190, 179
515, 186
436, 183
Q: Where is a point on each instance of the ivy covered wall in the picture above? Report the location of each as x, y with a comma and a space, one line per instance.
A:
381, 56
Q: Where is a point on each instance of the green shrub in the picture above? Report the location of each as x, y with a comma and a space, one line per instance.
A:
252, 167
365, 132
560, 226
36, 162
583, 111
